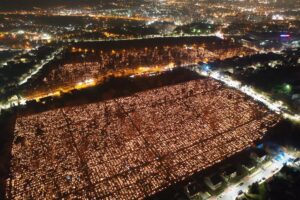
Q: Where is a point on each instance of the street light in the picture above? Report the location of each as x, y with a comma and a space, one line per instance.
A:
287, 88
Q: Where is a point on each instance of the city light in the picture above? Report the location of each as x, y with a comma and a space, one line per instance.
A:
149, 99
142, 155
276, 106
285, 35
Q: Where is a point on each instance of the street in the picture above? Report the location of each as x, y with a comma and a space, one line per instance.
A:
261, 174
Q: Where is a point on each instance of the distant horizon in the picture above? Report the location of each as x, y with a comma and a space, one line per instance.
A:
11, 5
31, 4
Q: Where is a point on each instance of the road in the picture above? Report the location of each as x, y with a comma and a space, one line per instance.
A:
36, 68
265, 171
39, 66
276, 106
216, 34
83, 84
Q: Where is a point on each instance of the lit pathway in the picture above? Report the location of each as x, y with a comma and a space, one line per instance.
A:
264, 172
276, 106
25, 78
39, 66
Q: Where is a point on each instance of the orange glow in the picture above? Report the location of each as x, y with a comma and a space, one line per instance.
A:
140, 71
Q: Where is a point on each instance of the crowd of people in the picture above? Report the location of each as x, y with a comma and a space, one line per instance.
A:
132, 147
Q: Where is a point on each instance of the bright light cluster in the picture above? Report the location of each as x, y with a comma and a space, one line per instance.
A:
132, 147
